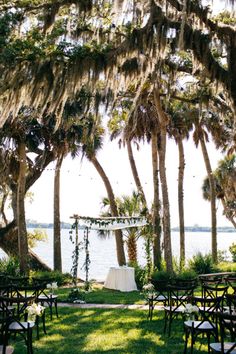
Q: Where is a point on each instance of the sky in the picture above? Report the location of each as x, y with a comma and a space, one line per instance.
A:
82, 188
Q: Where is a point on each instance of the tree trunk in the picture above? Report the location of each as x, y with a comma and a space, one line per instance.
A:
181, 200
156, 220
118, 233
21, 223
57, 219
135, 172
132, 247
163, 120
213, 200
9, 233
2, 209
9, 244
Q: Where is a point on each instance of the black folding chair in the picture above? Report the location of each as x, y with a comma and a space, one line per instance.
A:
16, 325
23, 296
226, 321
44, 297
179, 296
209, 304
161, 296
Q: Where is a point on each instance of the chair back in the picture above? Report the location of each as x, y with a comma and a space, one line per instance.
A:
227, 321
213, 297
231, 281
231, 302
180, 295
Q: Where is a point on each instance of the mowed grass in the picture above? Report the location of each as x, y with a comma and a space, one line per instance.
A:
110, 331
100, 295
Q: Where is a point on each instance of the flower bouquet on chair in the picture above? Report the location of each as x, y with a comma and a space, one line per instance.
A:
33, 311
149, 291
191, 311
52, 287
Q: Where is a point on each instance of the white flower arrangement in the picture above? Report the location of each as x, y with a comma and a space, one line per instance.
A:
191, 309
148, 287
149, 290
52, 286
34, 310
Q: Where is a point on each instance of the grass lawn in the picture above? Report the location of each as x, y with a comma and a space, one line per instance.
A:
100, 295
95, 331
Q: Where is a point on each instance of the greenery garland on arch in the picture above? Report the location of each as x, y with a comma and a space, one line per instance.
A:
101, 223
111, 223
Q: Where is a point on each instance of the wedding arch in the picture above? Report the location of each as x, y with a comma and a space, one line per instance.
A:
87, 224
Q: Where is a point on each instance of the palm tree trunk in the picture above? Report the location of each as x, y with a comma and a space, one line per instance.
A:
156, 220
135, 172
132, 248
181, 200
163, 121
21, 223
57, 219
213, 200
118, 233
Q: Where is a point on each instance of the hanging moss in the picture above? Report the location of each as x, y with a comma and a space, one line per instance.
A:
130, 65
49, 15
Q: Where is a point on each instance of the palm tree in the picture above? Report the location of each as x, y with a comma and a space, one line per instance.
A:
65, 139
163, 120
224, 176
117, 126
128, 206
92, 142
143, 124
200, 136
179, 128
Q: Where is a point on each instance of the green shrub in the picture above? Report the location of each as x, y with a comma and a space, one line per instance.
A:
221, 256
232, 250
60, 278
10, 266
140, 276
75, 295
202, 264
161, 275
227, 267
36, 236
186, 274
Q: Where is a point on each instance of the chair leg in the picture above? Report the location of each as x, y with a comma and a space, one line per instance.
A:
170, 323
50, 309
44, 323
165, 324
150, 310
208, 342
186, 340
192, 341
56, 308
37, 326
29, 342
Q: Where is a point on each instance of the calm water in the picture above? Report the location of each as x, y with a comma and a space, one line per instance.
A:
103, 251
103, 254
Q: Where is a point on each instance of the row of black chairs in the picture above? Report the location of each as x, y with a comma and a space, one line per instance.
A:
163, 288
16, 294
217, 299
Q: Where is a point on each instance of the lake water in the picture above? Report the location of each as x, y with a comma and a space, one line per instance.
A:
103, 253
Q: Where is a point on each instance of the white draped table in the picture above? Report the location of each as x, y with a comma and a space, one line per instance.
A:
121, 278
